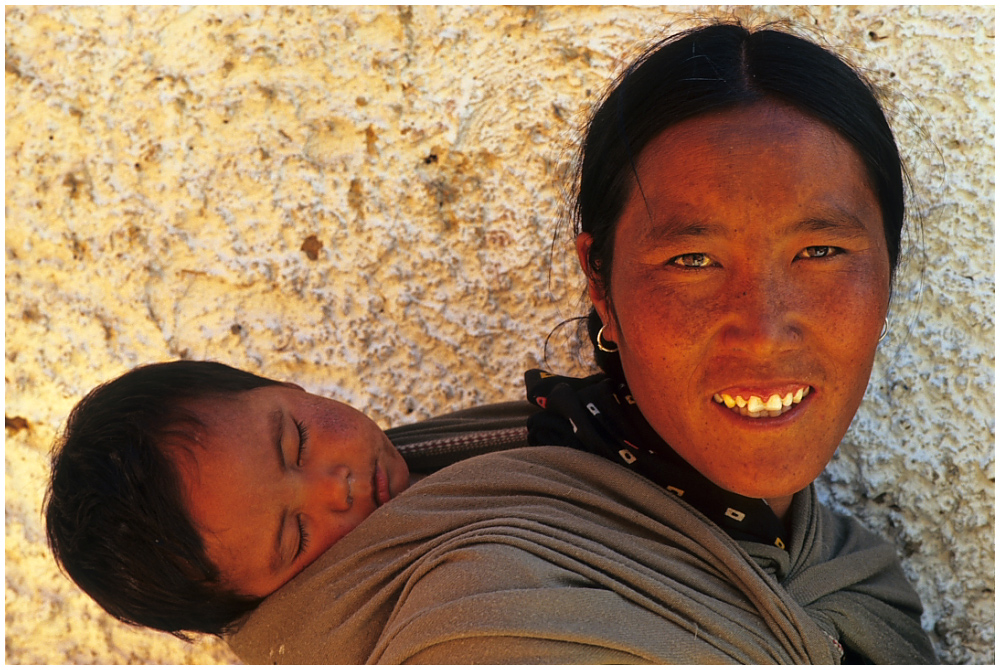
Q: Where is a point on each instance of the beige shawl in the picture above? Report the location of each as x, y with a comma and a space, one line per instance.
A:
550, 555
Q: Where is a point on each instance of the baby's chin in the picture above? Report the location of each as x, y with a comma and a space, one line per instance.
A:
398, 471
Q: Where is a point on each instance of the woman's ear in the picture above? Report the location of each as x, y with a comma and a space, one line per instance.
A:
293, 385
595, 288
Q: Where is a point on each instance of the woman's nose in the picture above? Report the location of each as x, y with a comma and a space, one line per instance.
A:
763, 315
328, 489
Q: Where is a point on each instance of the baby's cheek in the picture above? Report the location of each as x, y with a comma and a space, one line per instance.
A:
331, 416
338, 529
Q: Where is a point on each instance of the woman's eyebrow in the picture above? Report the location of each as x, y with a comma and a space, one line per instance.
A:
673, 229
670, 230
835, 221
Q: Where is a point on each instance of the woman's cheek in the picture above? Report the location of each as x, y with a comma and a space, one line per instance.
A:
651, 307
849, 307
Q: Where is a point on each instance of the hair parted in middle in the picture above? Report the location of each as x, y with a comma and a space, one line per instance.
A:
711, 68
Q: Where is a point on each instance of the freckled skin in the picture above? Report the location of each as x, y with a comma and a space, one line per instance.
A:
236, 490
795, 286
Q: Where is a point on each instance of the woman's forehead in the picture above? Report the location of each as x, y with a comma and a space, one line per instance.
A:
767, 168
764, 126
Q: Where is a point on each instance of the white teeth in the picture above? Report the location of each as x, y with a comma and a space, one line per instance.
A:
755, 406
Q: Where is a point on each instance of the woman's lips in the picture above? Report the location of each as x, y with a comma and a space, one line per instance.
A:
763, 404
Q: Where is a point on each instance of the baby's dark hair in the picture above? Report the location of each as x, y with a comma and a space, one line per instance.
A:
114, 512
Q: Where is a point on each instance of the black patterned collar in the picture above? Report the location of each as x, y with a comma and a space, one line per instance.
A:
597, 414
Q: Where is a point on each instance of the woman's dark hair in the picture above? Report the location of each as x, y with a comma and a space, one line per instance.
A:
114, 510
719, 66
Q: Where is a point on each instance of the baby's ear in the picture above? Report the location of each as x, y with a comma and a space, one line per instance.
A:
293, 386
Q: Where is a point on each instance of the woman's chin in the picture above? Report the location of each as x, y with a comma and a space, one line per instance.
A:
775, 457
783, 473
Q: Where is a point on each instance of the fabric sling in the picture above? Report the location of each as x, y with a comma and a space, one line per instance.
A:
555, 555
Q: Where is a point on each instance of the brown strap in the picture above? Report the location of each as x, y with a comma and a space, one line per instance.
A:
438, 442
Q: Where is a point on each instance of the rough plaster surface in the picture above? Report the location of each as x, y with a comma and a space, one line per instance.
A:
365, 200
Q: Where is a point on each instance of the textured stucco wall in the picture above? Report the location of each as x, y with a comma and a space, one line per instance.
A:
364, 201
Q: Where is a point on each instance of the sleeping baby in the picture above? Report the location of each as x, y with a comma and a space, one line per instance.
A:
183, 493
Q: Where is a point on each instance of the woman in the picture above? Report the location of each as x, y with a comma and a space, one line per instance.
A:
739, 210
740, 207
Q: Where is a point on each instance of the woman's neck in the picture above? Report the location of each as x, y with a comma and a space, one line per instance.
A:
780, 506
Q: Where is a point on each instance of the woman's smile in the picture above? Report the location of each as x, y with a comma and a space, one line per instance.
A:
760, 404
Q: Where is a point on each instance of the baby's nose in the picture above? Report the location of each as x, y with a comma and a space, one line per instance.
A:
331, 489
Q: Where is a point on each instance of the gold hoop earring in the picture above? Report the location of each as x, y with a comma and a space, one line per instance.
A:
601, 346
885, 330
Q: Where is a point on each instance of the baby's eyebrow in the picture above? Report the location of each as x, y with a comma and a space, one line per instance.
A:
276, 557
277, 428
277, 420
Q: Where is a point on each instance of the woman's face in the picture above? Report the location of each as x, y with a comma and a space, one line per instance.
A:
751, 264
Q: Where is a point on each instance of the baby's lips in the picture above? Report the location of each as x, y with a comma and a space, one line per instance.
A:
382, 492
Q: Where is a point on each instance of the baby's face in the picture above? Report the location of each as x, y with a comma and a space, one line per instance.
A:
281, 475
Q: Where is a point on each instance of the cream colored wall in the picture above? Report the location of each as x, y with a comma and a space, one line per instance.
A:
167, 170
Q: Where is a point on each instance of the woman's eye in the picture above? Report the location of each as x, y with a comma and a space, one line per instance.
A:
303, 434
691, 261
819, 252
